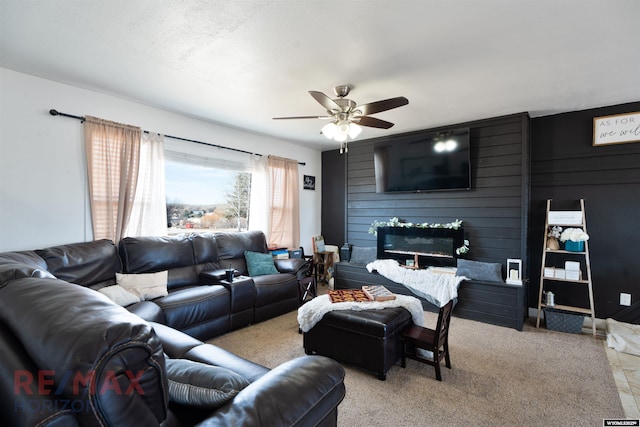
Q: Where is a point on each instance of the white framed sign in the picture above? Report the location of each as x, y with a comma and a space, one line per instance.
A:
616, 129
565, 217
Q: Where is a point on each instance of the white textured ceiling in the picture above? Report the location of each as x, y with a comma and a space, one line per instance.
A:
243, 62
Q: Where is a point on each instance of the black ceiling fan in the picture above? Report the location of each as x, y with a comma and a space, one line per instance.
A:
343, 113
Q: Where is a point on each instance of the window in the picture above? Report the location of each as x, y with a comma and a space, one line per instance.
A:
206, 194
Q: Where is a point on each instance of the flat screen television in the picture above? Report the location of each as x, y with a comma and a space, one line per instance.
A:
427, 162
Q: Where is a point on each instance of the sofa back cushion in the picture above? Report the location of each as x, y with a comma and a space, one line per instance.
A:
233, 245
86, 263
153, 254
14, 265
205, 248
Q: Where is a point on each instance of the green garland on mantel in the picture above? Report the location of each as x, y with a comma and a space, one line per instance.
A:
395, 222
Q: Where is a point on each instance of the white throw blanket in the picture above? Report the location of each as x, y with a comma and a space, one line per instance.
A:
623, 337
433, 286
311, 312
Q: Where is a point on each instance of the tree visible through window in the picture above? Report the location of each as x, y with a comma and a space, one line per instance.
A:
206, 198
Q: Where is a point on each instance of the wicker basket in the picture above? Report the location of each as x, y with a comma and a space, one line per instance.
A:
558, 320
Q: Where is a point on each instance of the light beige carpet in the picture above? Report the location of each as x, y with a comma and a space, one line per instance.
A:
499, 377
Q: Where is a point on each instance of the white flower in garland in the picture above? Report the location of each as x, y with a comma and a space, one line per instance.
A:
464, 248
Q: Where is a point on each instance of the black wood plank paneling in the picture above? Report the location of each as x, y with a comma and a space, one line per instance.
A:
333, 198
494, 211
566, 166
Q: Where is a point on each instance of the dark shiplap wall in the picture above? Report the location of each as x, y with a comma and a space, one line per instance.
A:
494, 211
565, 166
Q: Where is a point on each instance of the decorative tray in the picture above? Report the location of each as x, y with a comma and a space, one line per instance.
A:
378, 293
366, 294
348, 295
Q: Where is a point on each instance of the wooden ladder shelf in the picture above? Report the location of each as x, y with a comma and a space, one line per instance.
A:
584, 254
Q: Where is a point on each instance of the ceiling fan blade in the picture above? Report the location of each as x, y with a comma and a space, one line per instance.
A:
303, 117
384, 105
325, 101
372, 122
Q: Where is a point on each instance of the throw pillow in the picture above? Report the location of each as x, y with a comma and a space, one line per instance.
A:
119, 295
483, 271
363, 255
146, 285
259, 264
198, 384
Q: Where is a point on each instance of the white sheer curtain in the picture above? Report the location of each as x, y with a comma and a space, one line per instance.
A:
285, 203
259, 208
149, 214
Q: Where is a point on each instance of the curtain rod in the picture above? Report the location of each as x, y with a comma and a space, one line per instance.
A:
82, 119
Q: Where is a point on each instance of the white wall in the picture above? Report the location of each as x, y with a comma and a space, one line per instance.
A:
43, 185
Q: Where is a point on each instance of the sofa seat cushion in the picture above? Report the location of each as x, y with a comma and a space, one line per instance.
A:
187, 307
273, 288
178, 345
147, 310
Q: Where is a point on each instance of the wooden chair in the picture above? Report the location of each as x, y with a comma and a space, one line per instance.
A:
434, 340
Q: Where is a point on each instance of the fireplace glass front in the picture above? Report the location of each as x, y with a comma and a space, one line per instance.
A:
430, 246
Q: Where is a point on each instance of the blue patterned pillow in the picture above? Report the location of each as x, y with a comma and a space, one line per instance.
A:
259, 264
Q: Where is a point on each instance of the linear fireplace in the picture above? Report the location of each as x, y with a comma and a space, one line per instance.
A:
426, 246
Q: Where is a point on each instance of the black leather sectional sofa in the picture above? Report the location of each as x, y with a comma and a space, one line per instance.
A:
71, 356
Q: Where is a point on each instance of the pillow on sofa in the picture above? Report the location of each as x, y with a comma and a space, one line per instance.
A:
476, 270
363, 255
259, 264
198, 384
119, 295
145, 285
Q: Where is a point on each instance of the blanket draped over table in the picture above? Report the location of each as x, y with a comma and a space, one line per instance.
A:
311, 312
437, 288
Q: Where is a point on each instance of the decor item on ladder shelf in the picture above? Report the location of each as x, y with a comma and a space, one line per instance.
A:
574, 239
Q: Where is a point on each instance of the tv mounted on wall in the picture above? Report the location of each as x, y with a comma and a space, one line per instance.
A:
427, 162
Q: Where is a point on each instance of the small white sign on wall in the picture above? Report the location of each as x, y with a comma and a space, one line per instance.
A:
616, 129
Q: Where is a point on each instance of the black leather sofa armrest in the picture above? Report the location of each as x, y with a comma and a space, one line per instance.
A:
76, 332
291, 265
301, 392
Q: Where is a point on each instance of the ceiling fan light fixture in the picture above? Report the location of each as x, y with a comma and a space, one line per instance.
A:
343, 127
330, 130
354, 130
340, 137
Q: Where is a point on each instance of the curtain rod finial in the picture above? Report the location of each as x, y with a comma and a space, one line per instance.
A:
53, 112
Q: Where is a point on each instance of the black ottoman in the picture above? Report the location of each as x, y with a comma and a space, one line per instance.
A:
369, 339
